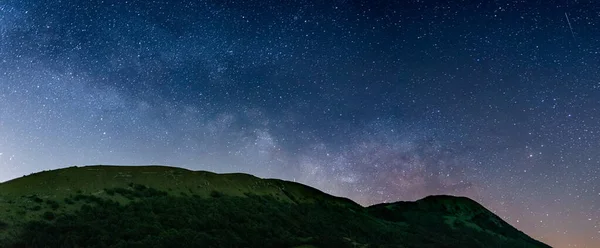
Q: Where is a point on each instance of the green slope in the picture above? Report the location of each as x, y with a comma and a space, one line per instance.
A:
451, 217
158, 206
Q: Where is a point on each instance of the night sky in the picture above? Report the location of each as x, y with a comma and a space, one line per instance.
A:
372, 100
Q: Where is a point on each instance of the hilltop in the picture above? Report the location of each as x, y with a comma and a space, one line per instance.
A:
159, 206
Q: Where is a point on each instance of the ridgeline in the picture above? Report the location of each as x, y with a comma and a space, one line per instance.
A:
159, 206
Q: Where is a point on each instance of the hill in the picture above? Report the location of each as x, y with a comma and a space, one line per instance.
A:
158, 206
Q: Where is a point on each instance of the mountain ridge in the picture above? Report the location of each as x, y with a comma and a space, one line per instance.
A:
126, 186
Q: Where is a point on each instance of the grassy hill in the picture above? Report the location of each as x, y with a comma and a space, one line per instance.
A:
158, 206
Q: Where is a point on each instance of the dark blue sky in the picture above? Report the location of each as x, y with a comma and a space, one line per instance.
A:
376, 101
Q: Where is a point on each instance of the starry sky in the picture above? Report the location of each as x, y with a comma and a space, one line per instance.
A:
378, 101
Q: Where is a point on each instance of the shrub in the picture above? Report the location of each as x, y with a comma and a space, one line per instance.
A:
49, 215
3, 225
109, 192
129, 194
87, 198
139, 187
216, 194
53, 204
37, 199
36, 208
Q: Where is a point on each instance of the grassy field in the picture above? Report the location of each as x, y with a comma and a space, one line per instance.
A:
85, 205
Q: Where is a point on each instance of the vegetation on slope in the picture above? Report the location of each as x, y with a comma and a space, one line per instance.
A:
169, 207
157, 219
454, 215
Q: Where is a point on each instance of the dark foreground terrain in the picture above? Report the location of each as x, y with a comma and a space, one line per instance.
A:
157, 206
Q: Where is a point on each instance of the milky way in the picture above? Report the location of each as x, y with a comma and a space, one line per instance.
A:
376, 102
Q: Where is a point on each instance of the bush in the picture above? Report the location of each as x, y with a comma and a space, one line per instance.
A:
109, 192
216, 194
3, 225
123, 192
139, 187
36, 199
87, 198
49, 215
53, 204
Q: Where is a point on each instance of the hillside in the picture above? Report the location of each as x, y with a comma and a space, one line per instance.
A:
158, 206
